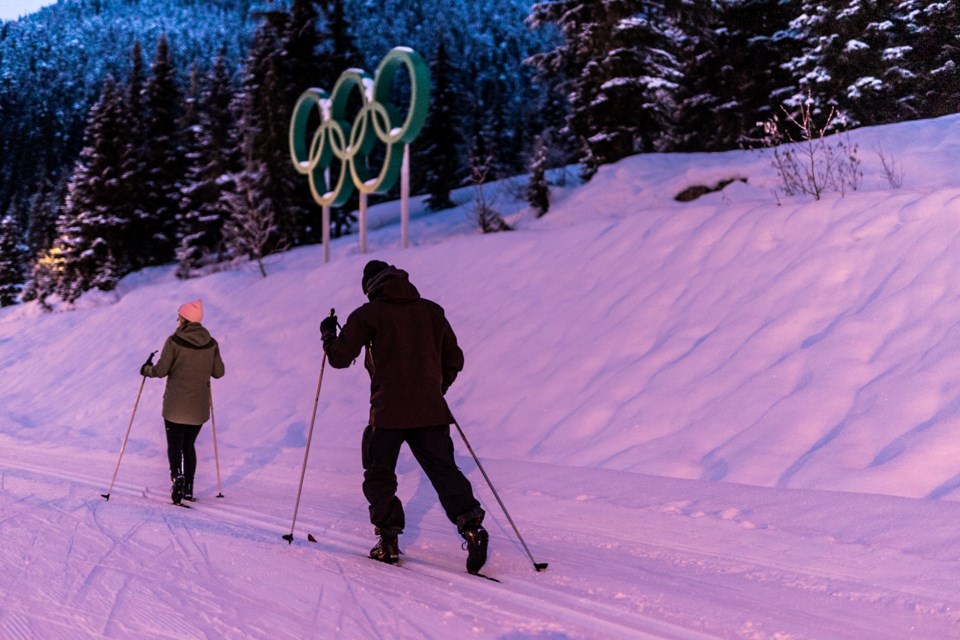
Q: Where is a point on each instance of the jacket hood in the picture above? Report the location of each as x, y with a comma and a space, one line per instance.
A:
392, 285
193, 333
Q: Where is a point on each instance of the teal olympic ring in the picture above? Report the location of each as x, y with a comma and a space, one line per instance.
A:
335, 139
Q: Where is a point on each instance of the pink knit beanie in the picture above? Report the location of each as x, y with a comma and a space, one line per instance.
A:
191, 311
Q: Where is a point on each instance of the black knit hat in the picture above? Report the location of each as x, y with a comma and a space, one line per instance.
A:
370, 271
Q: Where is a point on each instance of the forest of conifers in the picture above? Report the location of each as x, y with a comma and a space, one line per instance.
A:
135, 133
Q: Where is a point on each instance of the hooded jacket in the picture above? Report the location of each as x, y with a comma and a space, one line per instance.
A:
188, 360
412, 354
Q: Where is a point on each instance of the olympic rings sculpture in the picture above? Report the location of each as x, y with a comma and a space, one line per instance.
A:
351, 143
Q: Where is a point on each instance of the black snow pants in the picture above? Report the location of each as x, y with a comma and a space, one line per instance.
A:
433, 450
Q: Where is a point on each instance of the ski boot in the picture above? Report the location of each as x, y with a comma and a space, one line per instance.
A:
476, 538
176, 491
387, 548
188, 489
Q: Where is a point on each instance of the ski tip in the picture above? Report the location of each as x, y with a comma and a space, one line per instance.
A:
311, 538
105, 496
288, 538
540, 566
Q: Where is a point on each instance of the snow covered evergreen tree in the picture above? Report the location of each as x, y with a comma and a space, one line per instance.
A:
214, 163
300, 41
618, 59
41, 230
187, 222
12, 255
538, 188
164, 157
340, 53
441, 140
299, 68
731, 72
853, 58
264, 119
53, 64
90, 229
933, 55
136, 240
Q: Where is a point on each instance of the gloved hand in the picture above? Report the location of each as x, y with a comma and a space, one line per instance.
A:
328, 328
148, 363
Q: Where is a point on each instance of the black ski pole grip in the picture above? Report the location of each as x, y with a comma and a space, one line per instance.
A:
333, 313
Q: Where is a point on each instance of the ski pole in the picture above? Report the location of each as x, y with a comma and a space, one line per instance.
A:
106, 495
303, 471
216, 455
538, 566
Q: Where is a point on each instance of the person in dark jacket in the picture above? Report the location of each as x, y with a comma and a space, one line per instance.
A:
412, 357
190, 357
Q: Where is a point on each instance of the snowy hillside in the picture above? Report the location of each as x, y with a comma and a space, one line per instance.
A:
728, 418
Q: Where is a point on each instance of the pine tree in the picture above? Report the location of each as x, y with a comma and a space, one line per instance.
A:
187, 254
44, 210
135, 81
91, 225
263, 125
731, 68
137, 238
299, 67
538, 188
341, 53
12, 255
621, 72
46, 277
214, 162
933, 57
165, 162
441, 139
852, 60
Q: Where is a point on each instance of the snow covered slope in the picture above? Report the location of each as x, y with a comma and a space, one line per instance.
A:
731, 417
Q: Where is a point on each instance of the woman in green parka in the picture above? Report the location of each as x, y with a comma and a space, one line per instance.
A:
190, 357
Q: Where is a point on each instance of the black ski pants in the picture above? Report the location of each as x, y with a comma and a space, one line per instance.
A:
181, 451
433, 450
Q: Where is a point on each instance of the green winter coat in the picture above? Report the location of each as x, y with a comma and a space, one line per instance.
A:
188, 360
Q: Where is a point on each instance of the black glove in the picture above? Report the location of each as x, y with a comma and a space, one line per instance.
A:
148, 363
328, 328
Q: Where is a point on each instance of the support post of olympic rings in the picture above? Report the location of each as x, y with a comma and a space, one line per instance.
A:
350, 143
325, 232
405, 198
363, 223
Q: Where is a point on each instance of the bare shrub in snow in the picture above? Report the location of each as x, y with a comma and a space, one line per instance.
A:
806, 161
892, 171
488, 218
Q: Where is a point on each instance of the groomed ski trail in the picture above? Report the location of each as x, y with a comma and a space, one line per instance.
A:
658, 565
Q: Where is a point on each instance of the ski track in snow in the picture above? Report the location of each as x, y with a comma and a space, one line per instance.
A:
137, 565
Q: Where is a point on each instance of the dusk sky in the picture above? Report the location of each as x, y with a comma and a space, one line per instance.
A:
13, 9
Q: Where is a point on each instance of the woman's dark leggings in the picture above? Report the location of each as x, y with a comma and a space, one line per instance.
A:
180, 450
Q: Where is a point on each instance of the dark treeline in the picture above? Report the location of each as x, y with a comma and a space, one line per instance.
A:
139, 133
